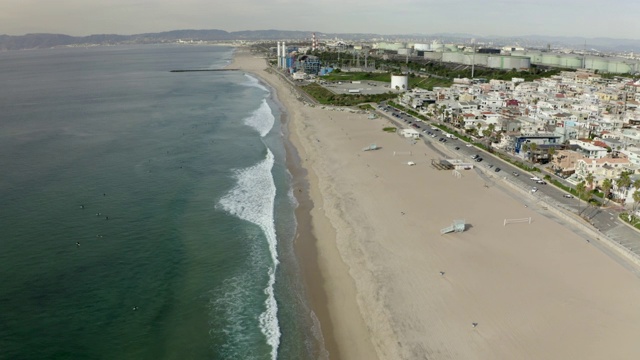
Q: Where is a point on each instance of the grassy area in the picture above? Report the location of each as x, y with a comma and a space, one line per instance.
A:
634, 221
367, 107
326, 97
429, 83
390, 129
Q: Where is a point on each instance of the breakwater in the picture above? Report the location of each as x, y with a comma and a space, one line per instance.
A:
199, 70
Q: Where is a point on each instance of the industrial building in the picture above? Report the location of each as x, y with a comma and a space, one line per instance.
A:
576, 61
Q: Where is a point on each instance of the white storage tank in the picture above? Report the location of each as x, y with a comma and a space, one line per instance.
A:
597, 63
551, 59
453, 57
433, 56
619, 67
399, 82
422, 47
436, 46
480, 59
574, 62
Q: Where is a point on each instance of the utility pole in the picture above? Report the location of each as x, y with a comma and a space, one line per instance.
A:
473, 58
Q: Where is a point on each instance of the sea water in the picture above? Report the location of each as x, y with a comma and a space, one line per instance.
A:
145, 214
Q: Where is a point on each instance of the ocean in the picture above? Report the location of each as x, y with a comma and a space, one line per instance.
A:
145, 214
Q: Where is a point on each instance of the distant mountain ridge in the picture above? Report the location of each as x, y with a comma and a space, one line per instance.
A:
38, 41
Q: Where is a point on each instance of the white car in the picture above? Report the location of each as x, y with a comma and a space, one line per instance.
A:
469, 145
535, 178
568, 196
534, 189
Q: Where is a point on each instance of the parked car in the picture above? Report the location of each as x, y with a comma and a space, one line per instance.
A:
457, 148
534, 189
515, 174
479, 159
568, 196
469, 145
541, 182
497, 169
475, 156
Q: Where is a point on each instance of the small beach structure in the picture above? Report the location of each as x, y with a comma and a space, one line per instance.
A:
456, 226
371, 147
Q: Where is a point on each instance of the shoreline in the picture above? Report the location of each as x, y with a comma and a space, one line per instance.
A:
397, 289
305, 242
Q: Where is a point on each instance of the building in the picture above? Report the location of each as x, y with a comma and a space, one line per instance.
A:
588, 150
410, 133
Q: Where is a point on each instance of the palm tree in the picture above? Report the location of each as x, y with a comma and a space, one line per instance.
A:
580, 190
589, 179
636, 201
623, 181
606, 187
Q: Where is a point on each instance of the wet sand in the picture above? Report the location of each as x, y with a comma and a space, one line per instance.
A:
536, 291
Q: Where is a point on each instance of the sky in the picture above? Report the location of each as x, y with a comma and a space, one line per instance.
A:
584, 18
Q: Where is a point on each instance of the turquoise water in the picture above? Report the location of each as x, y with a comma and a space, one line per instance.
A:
145, 214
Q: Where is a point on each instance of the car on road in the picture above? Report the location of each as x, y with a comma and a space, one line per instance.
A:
535, 178
490, 166
479, 159
534, 189
469, 145
515, 174
541, 182
497, 169
568, 196
475, 156
457, 147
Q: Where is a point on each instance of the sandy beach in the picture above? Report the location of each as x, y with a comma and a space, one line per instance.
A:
536, 291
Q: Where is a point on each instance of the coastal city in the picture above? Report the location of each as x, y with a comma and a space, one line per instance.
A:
470, 190
578, 127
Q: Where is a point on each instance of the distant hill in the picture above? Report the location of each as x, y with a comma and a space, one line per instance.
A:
38, 41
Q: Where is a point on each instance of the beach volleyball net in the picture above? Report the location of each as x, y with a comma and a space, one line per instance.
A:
517, 221
402, 153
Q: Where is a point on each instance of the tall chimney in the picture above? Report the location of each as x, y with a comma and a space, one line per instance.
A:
278, 51
284, 55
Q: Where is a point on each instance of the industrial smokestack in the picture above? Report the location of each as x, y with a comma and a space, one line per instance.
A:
284, 55
279, 56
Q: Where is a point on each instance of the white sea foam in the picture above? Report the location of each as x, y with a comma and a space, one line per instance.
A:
261, 119
254, 82
253, 199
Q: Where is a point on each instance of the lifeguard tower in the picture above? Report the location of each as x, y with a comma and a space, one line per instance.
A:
456, 226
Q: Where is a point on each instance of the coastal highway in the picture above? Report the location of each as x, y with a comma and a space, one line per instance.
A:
604, 219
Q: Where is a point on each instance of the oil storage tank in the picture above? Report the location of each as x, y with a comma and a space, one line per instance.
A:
506, 62
550, 59
453, 57
596, 63
422, 47
571, 61
399, 82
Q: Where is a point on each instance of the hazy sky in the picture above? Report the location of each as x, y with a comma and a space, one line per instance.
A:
589, 18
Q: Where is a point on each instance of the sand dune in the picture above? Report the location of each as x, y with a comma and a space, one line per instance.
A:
536, 291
